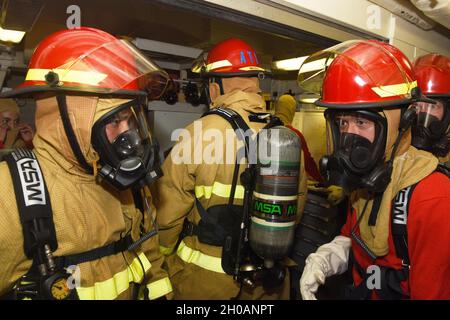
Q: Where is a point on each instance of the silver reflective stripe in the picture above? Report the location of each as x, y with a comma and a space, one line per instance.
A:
32, 182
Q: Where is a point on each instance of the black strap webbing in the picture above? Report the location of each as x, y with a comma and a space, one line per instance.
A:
33, 201
213, 236
399, 215
113, 248
240, 127
390, 282
444, 169
390, 278
375, 208
36, 215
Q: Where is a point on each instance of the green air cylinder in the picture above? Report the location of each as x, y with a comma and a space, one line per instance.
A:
275, 195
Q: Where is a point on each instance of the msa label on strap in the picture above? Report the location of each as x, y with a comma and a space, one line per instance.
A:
32, 182
400, 206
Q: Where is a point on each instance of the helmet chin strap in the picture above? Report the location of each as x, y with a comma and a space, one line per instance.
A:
219, 82
62, 106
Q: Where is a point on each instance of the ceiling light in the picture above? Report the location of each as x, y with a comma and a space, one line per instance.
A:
308, 97
11, 35
308, 100
289, 64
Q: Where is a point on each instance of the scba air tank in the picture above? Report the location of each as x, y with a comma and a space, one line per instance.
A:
275, 195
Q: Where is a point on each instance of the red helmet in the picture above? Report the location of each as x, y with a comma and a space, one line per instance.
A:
433, 74
359, 74
230, 58
93, 61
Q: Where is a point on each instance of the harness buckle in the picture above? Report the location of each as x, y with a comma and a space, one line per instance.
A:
188, 228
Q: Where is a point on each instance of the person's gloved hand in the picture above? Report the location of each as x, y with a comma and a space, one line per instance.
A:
328, 260
336, 194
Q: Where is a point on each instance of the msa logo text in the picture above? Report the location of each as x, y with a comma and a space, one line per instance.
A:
274, 209
32, 182
400, 206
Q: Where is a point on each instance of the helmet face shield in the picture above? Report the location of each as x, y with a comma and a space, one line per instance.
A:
358, 73
427, 113
431, 130
125, 146
199, 64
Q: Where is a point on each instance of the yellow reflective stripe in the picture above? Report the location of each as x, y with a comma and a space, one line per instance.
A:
394, 89
200, 259
159, 288
119, 283
84, 77
218, 64
218, 189
165, 250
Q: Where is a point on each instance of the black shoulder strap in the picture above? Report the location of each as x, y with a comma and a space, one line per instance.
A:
240, 127
33, 201
400, 210
375, 208
234, 119
444, 169
36, 215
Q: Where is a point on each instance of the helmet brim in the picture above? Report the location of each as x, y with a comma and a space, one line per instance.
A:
31, 91
351, 106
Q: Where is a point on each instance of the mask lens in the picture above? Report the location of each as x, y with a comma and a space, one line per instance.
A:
119, 123
355, 124
127, 132
427, 113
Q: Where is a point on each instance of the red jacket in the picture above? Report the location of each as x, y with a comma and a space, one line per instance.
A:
310, 165
428, 228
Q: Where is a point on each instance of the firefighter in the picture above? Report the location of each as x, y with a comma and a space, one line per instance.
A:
430, 132
66, 234
196, 199
397, 230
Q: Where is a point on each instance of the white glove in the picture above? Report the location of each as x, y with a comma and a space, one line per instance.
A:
328, 260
